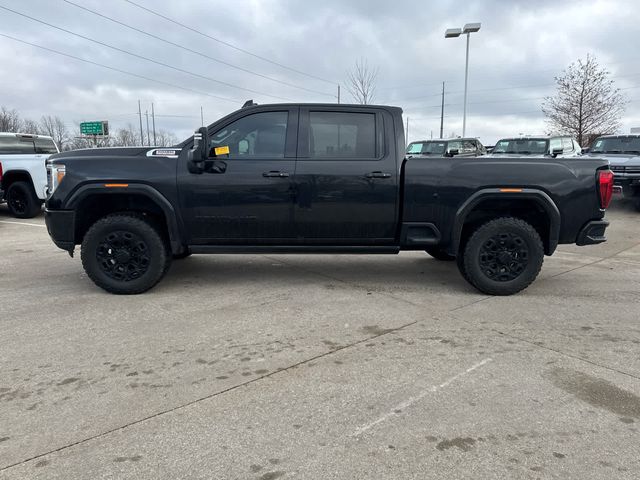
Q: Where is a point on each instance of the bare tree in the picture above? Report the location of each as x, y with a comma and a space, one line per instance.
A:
125, 137
9, 120
165, 139
56, 129
586, 102
31, 126
361, 82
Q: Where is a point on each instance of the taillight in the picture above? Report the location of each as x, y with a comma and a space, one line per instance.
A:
605, 187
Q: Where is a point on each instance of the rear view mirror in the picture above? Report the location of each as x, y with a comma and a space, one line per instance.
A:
200, 150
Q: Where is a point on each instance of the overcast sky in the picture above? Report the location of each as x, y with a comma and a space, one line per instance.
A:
513, 59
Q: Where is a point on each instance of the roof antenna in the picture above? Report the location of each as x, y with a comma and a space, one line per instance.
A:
249, 103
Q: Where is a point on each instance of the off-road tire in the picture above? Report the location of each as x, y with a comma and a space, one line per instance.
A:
22, 200
124, 254
503, 256
440, 254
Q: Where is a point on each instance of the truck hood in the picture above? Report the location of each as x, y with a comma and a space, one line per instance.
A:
619, 159
110, 152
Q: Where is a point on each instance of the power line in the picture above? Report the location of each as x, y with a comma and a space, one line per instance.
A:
121, 71
197, 52
140, 56
230, 45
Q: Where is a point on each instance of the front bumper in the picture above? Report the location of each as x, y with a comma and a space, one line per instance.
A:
592, 233
61, 228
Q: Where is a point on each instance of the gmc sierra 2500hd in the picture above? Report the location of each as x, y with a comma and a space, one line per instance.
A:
313, 178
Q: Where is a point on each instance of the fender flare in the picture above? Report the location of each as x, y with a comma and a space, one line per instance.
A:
538, 196
173, 222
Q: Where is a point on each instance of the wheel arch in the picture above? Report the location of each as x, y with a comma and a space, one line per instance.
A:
16, 176
532, 205
93, 201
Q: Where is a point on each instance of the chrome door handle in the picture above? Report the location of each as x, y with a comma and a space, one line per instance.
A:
378, 175
275, 174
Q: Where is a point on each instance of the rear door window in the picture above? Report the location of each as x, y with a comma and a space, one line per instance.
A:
45, 145
342, 135
567, 145
12, 145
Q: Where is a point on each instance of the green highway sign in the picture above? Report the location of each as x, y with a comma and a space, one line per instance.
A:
94, 128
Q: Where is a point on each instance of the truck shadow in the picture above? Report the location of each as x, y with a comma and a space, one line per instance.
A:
405, 272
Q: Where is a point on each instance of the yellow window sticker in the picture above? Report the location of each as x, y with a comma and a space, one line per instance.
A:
222, 150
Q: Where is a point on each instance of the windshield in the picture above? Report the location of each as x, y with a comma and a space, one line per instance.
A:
427, 148
617, 145
522, 146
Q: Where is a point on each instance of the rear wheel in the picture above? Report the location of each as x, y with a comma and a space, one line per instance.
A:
503, 256
440, 254
124, 254
22, 200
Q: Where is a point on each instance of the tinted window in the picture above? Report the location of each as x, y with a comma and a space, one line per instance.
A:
45, 145
468, 146
342, 134
616, 145
415, 147
256, 135
16, 145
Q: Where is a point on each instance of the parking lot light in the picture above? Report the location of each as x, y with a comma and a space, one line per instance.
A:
467, 30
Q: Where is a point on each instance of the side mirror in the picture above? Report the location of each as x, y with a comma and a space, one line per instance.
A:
586, 150
199, 152
453, 152
556, 151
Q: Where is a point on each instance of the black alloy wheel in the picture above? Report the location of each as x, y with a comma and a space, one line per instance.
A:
504, 257
123, 256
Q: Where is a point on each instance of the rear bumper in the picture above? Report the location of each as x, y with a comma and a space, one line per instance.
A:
61, 228
592, 233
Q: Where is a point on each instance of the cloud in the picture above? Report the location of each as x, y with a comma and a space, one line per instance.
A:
513, 59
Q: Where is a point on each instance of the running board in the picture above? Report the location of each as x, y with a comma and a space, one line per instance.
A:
306, 249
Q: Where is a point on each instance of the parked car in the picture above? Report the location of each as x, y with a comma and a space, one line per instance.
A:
316, 178
553, 146
462, 147
23, 174
623, 154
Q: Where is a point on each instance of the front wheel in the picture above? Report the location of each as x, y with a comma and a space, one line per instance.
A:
124, 254
22, 200
503, 256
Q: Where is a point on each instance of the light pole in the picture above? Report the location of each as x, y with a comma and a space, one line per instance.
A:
468, 29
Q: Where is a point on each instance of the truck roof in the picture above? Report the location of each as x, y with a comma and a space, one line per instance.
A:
445, 139
323, 105
26, 135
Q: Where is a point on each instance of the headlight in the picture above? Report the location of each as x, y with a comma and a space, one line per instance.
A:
55, 174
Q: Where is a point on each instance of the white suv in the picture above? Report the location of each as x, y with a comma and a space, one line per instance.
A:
23, 174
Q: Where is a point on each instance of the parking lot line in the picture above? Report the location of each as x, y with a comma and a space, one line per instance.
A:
23, 223
410, 401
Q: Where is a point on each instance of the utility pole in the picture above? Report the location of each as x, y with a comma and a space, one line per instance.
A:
140, 117
466, 81
338, 93
406, 140
153, 118
201, 116
442, 113
146, 114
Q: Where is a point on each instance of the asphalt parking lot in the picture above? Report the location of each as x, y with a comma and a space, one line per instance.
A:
327, 367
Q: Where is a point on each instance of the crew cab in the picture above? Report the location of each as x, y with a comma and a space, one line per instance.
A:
462, 147
623, 154
23, 175
318, 178
552, 146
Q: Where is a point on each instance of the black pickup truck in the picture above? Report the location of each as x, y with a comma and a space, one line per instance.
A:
313, 178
